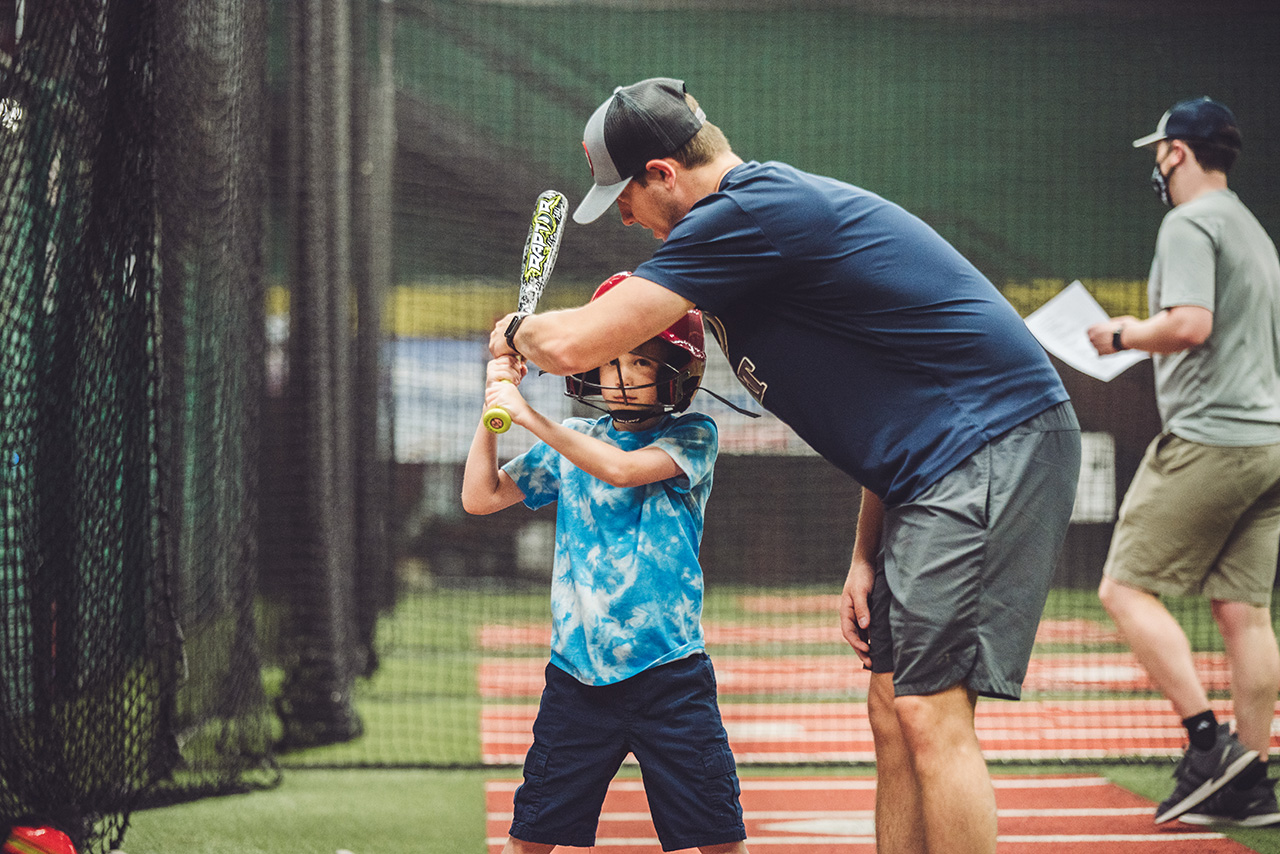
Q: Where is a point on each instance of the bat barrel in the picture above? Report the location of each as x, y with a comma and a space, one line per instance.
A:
540, 250
541, 247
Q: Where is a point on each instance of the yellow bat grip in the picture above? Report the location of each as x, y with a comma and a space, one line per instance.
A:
497, 419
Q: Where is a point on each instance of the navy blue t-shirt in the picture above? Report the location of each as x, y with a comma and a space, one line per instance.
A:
855, 323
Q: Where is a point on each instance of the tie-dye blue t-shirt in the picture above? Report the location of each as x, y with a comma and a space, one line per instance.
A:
626, 589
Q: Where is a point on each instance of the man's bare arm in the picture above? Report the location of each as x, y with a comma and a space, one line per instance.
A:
1173, 330
579, 339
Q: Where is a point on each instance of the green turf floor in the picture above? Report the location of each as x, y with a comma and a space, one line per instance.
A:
434, 812
321, 812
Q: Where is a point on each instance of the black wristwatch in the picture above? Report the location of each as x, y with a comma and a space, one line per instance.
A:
512, 326
1116, 343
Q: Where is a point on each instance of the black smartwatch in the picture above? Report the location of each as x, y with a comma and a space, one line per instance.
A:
1116, 343
512, 326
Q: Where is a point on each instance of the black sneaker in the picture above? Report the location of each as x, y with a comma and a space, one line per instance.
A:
1253, 807
1203, 772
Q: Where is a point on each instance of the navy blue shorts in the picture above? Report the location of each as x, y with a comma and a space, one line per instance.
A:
667, 717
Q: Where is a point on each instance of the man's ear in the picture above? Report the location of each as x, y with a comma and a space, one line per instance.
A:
661, 169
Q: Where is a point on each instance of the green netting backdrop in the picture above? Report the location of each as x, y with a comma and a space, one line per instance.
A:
250, 254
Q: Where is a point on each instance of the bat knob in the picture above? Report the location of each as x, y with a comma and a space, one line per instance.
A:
497, 420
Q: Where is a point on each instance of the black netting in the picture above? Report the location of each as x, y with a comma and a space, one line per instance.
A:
133, 160
88, 659
251, 253
326, 460
211, 151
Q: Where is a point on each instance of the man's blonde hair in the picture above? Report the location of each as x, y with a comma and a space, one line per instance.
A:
702, 148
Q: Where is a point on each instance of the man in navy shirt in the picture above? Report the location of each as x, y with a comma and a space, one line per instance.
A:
892, 356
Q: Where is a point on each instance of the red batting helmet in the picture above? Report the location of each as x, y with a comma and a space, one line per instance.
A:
678, 378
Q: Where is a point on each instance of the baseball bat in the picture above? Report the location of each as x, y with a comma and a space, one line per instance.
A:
540, 250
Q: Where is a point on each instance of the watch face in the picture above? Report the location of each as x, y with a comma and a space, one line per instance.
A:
512, 326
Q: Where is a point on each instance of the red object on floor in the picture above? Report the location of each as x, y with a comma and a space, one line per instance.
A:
37, 840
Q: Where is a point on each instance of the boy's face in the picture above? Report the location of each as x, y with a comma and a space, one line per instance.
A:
628, 381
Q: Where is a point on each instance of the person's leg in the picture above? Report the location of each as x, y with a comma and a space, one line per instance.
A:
968, 563
899, 818
956, 796
690, 776
1177, 529
519, 846
1158, 642
1162, 648
1255, 670
727, 848
568, 767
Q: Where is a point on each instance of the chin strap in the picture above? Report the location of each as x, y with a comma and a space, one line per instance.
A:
732, 405
642, 414
633, 416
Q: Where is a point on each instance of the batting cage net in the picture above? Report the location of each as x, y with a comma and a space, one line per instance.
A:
131, 357
249, 260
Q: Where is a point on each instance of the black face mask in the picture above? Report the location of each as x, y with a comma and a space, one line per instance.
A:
1160, 183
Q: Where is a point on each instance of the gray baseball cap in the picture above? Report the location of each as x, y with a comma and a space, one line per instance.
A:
1194, 118
638, 123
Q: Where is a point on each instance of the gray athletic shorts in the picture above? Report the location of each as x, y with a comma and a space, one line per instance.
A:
966, 566
1200, 519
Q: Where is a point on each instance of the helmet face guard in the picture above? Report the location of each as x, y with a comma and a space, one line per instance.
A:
679, 373
676, 386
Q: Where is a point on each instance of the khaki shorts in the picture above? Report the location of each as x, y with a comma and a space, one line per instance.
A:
1200, 519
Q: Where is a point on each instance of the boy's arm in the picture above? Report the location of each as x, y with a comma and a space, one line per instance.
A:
485, 487
601, 460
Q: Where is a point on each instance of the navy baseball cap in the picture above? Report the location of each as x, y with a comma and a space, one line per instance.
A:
1194, 118
638, 123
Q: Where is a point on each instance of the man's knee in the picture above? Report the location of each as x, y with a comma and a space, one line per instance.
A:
1111, 595
939, 715
1238, 618
1120, 600
919, 714
881, 712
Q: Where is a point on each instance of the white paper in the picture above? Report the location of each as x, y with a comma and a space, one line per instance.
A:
1061, 326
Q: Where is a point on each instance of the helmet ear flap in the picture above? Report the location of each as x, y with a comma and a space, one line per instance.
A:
583, 384
686, 384
679, 382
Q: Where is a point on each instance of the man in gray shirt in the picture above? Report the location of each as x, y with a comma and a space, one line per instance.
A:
1202, 516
